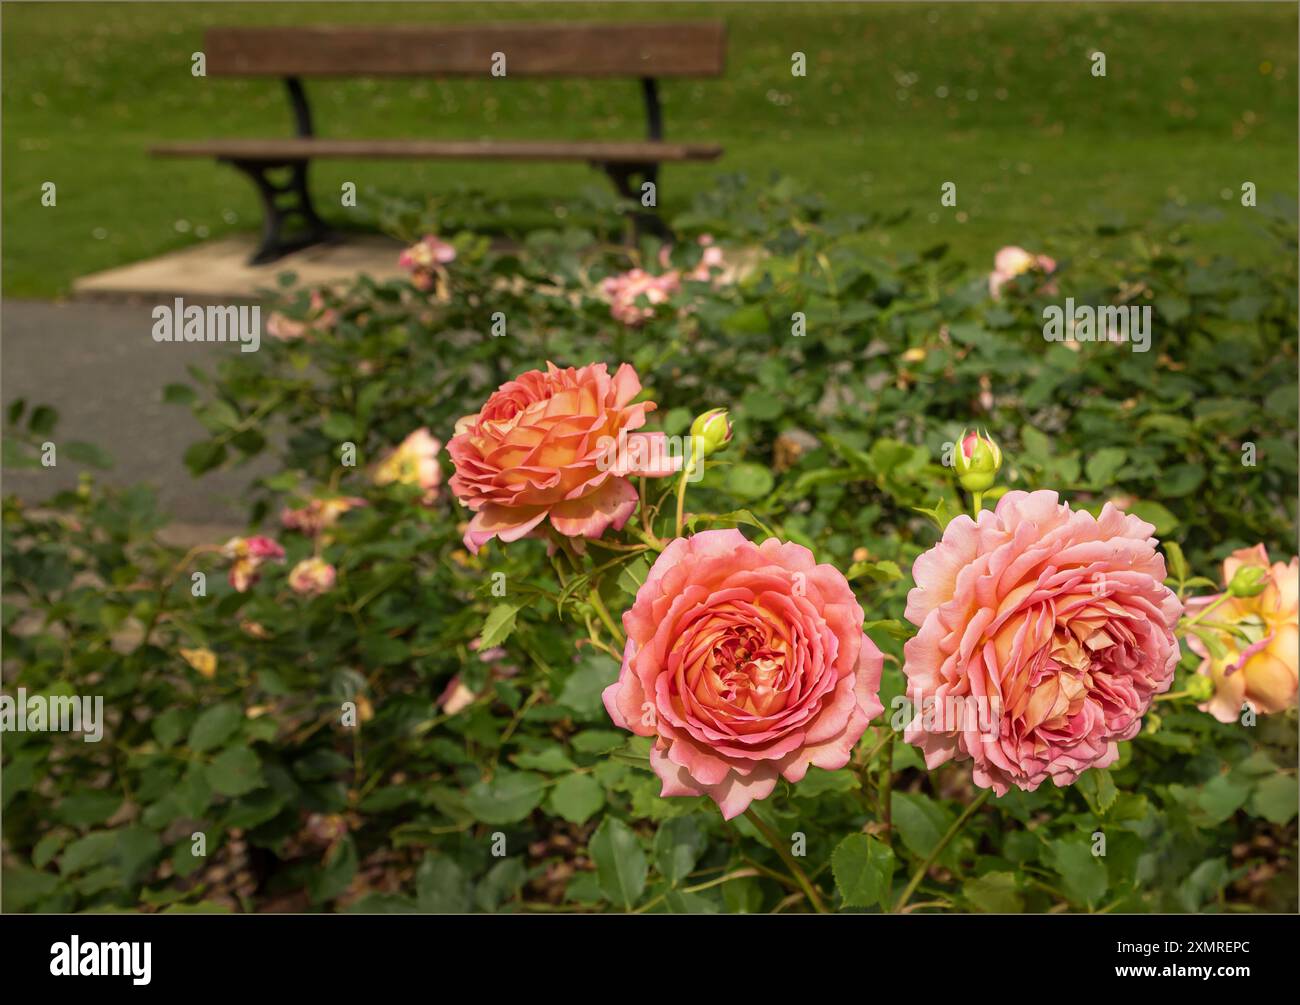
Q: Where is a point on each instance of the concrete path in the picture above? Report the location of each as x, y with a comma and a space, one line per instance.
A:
97, 364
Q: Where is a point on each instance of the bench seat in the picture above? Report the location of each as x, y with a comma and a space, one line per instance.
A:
309, 148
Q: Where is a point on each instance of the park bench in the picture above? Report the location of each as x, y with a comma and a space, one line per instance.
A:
278, 167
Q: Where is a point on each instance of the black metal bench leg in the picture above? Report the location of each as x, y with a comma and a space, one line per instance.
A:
283, 202
644, 221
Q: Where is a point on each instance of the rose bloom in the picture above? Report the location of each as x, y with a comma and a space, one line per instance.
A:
312, 576
413, 462
1259, 671
425, 260
247, 555
624, 290
1012, 261
318, 514
1058, 623
286, 329
556, 445
746, 663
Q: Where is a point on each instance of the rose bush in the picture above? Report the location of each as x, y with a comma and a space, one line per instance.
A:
427, 730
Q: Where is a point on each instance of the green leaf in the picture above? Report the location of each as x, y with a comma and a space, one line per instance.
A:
81, 809
749, 481
678, 845
91, 850
441, 886
498, 625
1084, 873
1153, 513
863, 868
922, 823
215, 726
507, 798
1177, 562
1181, 479
235, 771
819, 781
1098, 789
880, 572
994, 893
577, 798
335, 873
1275, 799
621, 865
1103, 464
633, 575
582, 691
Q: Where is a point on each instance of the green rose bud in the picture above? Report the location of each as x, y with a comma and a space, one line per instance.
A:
711, 431
977, 461
1249, 581
1200, 687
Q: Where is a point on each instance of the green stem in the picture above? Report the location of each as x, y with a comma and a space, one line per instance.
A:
937, 850
778, 846
978, 503
886, 787
1191, 621
688, 467
605, 616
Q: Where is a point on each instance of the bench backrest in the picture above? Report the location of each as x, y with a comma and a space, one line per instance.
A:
682, 49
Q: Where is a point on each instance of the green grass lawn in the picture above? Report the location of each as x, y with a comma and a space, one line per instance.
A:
898, 99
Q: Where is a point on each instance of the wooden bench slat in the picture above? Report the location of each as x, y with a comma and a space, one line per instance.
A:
663, 49
634, 152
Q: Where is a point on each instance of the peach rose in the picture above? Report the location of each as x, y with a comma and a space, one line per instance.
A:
555, 445
312, 577
414, 461
1052, 628
747, 663
1259, 670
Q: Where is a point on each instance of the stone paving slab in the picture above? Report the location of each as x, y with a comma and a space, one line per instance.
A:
217, 271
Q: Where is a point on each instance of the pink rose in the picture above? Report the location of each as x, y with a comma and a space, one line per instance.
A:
1259, 670
426, 259
247, 555
312, 576
414, 461
540, 449
318, 515
747, 663
1013, 261
1047, 631
625, 290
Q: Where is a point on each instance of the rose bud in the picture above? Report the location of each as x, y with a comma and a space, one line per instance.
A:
1249, 581
977, 461
711, 431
